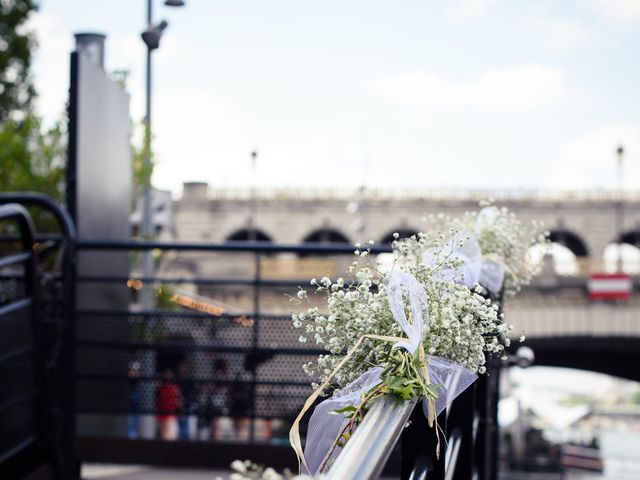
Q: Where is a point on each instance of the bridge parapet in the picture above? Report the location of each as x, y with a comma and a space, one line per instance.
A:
553, 318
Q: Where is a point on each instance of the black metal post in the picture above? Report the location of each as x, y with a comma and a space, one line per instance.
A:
460, 421
254, 343
419, 446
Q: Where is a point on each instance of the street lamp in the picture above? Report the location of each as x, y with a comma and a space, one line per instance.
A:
620, 210
253, 233
151, 38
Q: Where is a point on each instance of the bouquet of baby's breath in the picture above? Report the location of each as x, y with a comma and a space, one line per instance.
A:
248, 470
360, 325
502, 236
463, 324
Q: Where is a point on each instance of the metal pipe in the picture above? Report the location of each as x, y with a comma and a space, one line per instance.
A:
366, 453
148, 361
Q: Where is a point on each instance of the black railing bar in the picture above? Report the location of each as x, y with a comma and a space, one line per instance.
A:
16, 400
127, 411
16, 352
247, 247
41, 200
37, 238
15, 258
420, 468
20, 276
451, 458
123, 378
15, 305
194, 347
367, 451
177, 313
199, 281
31, 439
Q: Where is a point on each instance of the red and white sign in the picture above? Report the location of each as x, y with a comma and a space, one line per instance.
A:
609, 286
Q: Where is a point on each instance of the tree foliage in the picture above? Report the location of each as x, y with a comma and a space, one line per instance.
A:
31, 158
16, 45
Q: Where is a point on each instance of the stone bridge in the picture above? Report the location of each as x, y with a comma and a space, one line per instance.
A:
563, 326
583, 222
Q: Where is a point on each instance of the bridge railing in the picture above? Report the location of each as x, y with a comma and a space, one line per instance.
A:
408, 194
26, 442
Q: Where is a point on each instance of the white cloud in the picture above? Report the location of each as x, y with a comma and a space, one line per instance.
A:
463, 9
558, 34
565, 34
521, 88
50, 65
589, 160
624, 11
197, 138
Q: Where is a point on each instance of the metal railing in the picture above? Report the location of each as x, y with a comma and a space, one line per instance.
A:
367, 452
103, 342
25, 441
408, 194
55, 260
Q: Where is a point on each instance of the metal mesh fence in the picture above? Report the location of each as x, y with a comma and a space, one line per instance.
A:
191, 369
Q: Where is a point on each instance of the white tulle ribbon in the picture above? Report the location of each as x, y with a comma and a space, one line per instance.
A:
471, 267
396, 282
325, 426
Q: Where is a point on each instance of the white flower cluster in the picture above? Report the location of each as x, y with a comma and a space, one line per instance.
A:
463, 324
248, 470
502, 237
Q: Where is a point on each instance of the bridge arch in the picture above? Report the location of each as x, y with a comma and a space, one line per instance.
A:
404, 232
249, 234
566, 250
631, 237
617, 356
326, 235
627, 245
570, 240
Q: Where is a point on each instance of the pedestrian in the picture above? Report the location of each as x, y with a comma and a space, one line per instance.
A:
168, 404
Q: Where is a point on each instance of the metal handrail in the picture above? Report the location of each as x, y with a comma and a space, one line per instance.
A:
234, 246
453, 449
366, 453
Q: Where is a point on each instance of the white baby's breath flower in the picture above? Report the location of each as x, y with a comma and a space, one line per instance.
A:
239, 466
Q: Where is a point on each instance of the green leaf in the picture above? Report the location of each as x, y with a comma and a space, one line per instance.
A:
433, 390
349, 410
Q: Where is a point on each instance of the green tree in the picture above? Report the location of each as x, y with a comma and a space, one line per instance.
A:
16, 45
33, 159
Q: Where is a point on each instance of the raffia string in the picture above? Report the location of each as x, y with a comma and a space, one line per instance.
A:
294, 433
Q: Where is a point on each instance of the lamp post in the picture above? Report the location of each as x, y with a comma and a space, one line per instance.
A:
620, 209
253, 232
151, 38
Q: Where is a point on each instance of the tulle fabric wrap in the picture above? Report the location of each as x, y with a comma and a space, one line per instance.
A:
325, 426
472, 269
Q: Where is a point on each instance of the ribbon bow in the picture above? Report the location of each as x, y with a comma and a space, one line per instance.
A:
472, 267
418, 302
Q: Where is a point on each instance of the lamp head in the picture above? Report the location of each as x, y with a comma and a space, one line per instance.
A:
524, 357
152, 35
174, 3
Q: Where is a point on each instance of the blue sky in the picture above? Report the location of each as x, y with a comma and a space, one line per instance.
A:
455, 94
